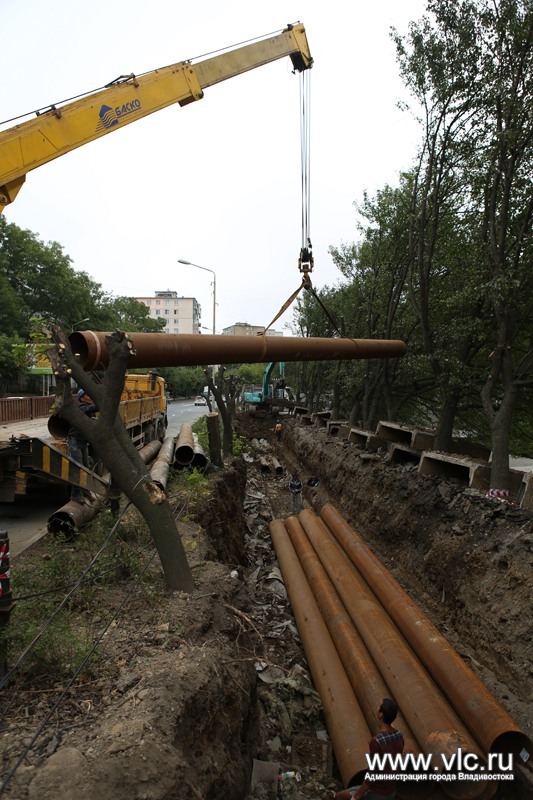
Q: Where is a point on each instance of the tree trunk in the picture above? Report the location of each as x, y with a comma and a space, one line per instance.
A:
111, 442
448, 411
213, 432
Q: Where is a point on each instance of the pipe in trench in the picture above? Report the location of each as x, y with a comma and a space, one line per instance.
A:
490, 724
346, 724
435, 725
363, 674
278, 469
179, 349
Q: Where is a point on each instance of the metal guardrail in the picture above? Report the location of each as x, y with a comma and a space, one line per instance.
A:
18, 409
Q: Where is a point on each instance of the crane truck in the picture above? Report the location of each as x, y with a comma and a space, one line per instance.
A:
57, 130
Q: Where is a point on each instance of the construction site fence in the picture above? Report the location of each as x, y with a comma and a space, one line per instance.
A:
19, 409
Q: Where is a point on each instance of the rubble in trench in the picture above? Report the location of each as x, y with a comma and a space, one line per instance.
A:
295, 740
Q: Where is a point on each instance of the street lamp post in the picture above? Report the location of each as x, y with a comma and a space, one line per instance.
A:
79, 322
206, 269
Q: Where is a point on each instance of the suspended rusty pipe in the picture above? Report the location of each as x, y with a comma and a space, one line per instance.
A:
345, 721
179, 349
435, 725
490, 724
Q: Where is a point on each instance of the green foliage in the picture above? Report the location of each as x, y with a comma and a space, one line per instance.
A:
240, 445
37, 280
199, 427
195, 480
184, 381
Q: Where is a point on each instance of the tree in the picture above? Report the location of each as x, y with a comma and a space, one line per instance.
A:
37, 279
110, 440
471, 69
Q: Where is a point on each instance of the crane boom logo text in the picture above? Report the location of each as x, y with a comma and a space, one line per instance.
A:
109, 117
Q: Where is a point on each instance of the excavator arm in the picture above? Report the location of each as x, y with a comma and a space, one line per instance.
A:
58, 130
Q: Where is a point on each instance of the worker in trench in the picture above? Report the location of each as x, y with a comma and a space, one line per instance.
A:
387, 740
296, 488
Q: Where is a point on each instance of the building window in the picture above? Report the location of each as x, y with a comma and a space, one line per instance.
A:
157, 312
167, 312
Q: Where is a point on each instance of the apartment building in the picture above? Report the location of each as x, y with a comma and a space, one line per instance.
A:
181, 314
245, 329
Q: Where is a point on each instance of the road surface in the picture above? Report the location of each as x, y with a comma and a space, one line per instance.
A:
26, 519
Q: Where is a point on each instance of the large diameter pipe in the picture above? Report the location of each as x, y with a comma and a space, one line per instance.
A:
180, 349
159, 473
367, 683
184, 452
71, 517
490, 724
344, 719
167, 450
199, 459
150, 451
437, 728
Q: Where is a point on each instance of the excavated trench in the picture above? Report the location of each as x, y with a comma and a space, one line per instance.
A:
207, 693
465, 561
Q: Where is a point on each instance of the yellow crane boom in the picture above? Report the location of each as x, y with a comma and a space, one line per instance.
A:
58, 130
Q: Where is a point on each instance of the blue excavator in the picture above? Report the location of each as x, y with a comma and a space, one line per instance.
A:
270, 392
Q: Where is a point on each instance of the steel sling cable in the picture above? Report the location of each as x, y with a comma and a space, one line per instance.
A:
306, 261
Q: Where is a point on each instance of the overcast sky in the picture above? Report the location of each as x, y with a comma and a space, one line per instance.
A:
217, 183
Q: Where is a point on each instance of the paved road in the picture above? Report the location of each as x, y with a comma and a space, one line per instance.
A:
26, 519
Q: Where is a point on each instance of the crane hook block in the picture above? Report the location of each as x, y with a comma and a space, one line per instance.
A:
306, 261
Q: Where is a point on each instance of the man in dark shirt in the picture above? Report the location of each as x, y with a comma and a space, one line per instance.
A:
77, 445
387, 740
295, 488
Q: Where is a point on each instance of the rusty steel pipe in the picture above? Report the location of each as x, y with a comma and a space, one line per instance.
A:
278, 469
191, 350
167, 450
199, 459
184, 452
490, 724
363, 674
71, 517
264, 464
435, 725
365, 679
344, 719
150, 451
159, 473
